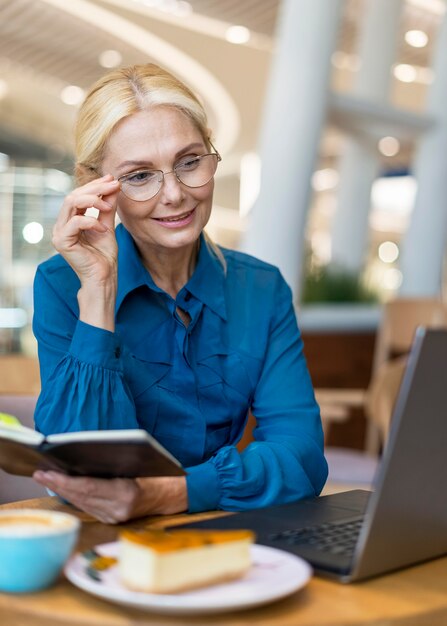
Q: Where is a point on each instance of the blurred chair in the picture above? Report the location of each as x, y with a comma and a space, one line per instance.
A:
400, 318
336, 404
19, 388
353, 469
381, 395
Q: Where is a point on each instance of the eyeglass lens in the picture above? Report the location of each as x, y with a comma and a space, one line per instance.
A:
192, 172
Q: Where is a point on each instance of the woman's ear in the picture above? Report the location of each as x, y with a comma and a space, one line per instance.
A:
84, 174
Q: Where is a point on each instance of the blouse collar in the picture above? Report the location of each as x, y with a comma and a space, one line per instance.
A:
207, 283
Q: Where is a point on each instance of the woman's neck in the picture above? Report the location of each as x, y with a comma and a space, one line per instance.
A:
170, 269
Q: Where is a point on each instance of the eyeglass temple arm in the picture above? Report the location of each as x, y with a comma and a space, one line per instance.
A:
219, 158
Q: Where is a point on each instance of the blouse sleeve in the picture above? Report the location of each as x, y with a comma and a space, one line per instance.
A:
286, 461
81, 367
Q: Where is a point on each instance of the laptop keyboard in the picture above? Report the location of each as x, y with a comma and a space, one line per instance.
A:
332, 537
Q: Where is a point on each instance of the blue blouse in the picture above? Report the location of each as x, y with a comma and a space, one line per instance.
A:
191, 387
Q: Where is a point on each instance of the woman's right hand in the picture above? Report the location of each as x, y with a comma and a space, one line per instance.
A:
88, 243
116, 500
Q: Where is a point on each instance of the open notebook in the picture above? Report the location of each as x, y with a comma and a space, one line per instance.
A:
357, 534
101, 453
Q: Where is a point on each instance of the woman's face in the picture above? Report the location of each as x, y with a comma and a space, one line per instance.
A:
157, 140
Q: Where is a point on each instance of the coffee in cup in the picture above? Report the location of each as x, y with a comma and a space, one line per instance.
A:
34, 546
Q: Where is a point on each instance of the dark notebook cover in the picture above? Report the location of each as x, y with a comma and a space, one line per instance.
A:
103, 454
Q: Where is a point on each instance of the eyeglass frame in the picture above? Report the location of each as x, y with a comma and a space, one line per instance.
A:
163, 174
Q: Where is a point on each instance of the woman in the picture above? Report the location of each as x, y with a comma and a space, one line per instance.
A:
152, 326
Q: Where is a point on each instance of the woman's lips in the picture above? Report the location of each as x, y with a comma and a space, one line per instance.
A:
174, 221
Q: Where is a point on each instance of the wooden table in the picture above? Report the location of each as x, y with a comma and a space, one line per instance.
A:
413, 597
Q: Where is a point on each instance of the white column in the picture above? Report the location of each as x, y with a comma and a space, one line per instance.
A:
359, 165
423, 247
294, 114
358, 168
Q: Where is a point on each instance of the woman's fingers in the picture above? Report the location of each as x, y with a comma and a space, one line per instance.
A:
64, 238
107, 218
100, 194
68, 229
80, 205
110, 501
119, 499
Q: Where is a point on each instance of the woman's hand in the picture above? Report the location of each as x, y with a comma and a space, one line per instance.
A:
119, 499
88, 243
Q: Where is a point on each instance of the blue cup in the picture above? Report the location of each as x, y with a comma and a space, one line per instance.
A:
34, 547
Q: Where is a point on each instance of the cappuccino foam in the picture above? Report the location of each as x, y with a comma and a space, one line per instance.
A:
30, 525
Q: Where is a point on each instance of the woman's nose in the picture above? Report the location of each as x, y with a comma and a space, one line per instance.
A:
171, 190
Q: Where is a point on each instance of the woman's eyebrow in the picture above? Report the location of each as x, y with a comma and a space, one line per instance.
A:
147, 163
191, 146
126, 164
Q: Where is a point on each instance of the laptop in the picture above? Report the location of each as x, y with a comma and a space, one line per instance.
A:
354, 535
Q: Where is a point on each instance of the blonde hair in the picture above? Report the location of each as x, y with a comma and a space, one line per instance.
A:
121, 93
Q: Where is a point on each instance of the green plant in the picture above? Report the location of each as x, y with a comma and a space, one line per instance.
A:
329, 284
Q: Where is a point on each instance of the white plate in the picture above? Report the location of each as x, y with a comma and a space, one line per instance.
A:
273, 575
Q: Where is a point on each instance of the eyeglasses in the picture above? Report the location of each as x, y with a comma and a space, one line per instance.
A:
192, 171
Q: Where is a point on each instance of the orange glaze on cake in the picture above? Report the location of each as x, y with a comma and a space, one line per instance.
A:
170, 541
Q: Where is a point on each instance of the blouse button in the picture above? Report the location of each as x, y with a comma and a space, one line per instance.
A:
118, 352
187, 296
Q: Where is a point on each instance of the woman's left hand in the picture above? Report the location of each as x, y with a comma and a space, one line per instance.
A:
119, 499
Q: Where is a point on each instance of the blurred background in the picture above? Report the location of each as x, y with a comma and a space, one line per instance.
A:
329, 114
331, 119
337, 99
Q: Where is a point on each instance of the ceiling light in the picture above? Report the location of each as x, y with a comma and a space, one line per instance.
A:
110, 58
33, 232
389, 146
72, 95
392, 279
416, 38
394, 194
405, 73
413, 73
237, 34
388, 252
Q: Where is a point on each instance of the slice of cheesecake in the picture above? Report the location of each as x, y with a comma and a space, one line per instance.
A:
158, 561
